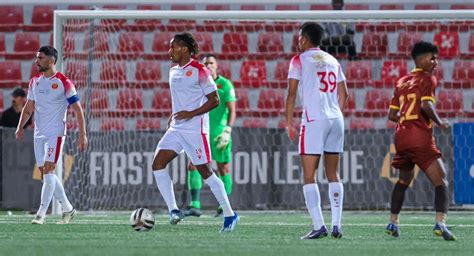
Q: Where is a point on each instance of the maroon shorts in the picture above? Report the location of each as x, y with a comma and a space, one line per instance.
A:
421, 156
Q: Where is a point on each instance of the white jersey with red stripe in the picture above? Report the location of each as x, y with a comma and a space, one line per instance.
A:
318, 74
51, 95
189, 86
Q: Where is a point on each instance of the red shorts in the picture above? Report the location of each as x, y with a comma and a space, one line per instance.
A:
421, 156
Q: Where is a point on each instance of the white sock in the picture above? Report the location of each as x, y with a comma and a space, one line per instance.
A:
60, 195
313, 203
46, 193
166, 188
336, 197
218, 189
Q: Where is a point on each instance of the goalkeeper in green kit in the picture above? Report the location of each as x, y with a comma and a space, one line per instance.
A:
221, 120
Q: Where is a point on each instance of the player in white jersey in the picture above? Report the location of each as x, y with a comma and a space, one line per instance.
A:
49, 95
318, 79
193, 95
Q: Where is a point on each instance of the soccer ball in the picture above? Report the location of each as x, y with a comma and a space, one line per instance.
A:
142, 219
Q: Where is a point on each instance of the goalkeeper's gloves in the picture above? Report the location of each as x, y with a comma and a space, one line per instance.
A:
223, 139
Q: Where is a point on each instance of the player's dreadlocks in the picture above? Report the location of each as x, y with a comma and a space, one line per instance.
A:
423, 47
188, 40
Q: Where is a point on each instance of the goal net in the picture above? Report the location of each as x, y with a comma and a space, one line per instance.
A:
119, 62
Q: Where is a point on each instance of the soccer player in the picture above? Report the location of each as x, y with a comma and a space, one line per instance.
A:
221, 120
49, 95
193, 95
412, 109
323, 93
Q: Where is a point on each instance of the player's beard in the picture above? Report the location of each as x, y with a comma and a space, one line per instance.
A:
42, 69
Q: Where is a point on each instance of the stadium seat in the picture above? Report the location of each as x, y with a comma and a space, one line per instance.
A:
2, 105
462, 7
11, 17
26, 46
161, 45
10, 74
215, 25
253, 74
161, 104
359, 74
113, 24
294, 44
75, 24
68, 41
284, 26
470, 53
392, 70
234, 46
130, 45
205, 42
249, 26
281, 75
361, 123
112, 124
448, 44
405, 42
270, 103
145, 24
34, 70
269, 45
175, 25
351, 104
3, 49
463, 74
77, 71
392, 7
42, 19
148, 73
242, 104
377, 102
356, 7
321, 7
129, 103
224, 68
99, 105
374, 45
101, 44
148, 124
255, 123
113, 72
427, 7
450, 103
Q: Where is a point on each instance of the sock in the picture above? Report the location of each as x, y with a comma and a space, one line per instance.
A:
313, 203
195, 186
227, 180
60, 195
398, 196
336, 197
217, 188
165, 186
49, 183
441, 201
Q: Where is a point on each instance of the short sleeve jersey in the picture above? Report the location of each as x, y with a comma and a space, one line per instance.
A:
189, 86
318, 74
219, 116
51, 95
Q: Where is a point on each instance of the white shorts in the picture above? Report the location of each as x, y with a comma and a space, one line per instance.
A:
196, 145
48, 149
319, 136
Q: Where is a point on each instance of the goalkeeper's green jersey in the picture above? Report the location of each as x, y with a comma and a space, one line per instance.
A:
218, 117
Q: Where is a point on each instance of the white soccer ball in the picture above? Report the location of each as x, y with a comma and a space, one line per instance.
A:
142, 219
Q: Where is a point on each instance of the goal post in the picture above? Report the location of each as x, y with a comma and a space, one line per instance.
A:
118, 59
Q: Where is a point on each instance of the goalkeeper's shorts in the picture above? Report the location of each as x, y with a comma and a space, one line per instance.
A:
221, 156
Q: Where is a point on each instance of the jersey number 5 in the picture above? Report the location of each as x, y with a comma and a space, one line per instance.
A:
408, 114
327, 79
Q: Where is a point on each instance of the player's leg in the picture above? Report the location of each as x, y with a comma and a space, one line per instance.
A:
47, 191
168, 148
225, 175
39, 149
194, 186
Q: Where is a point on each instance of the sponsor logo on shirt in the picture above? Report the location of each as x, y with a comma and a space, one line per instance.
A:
54, 86
189, 73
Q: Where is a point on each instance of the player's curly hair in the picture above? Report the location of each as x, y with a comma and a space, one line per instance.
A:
313, 31
423, 47
49, 51
188, 40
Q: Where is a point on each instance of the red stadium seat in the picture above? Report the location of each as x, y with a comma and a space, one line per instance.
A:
287, 7
242, 104
392, 70
450, 103
270, 103
356, 7
161, 104
281, 75
284, 26
11, 17
161, 45
3, 49
130, 45
34, 70
10, 74
351, 104
101, 44
99, 101
148, 71
76, 7
113, 24
215, 25
26, 46
129, 103
234, 46
249, 26
148, 124
255, 123
448, 44
112, 124
270, 45
374, 45
113, 72
69, 44
224, 69
463, 74
392, 7
359, 74
2, 106
146, 24
405, 42
361, 123
462, 6
427, 7
205, 42
470, 53
181, 25
321, 7
42, 19
253, 74
77, 71
377, 103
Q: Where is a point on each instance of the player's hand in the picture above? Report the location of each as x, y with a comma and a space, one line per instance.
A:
445, 124
224, 138
292, 132
83, 142
183, 115
19, 133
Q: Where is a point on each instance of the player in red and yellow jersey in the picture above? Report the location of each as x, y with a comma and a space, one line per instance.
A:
412, 108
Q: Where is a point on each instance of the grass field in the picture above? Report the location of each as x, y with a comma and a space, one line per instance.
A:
257, 234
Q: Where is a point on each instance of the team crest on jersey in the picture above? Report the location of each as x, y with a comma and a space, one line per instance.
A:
198, 152
189, 73
54, 86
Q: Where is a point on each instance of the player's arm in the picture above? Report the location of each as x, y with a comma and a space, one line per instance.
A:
82, 125
428, 108
26, 114
393, 114
342, 94
211, 103
290, 107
